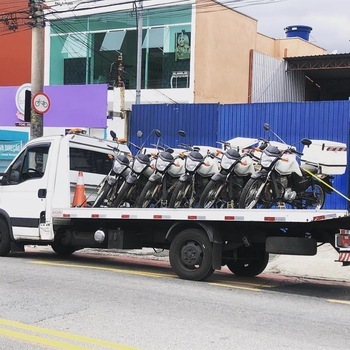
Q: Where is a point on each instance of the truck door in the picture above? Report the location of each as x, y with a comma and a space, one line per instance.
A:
23, 191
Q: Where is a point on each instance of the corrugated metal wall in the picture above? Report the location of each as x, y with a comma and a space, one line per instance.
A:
271, 82
199, 121
208, 123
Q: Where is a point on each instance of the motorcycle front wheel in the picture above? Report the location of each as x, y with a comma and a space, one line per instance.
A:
102, 195
150, 196
249, 198
122, 195
180, 197
212, 195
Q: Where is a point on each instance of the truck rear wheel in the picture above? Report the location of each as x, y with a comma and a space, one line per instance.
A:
190, 255
250, 262
62, 250
5, 240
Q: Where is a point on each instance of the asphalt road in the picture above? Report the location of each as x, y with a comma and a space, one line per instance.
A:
95, 301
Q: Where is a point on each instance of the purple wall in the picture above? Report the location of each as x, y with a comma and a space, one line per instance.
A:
71, 105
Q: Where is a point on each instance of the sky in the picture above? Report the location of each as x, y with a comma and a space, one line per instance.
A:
330, 20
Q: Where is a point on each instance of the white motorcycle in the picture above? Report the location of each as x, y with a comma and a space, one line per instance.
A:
281, 182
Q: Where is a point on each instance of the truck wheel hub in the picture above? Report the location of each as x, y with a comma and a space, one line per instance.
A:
191, 254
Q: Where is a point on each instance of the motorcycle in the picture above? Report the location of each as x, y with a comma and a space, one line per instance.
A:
198, 171
141, 170
282, 182
158, 189
108, 188
225, 187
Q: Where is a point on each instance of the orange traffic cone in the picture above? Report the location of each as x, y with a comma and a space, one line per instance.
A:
79, 199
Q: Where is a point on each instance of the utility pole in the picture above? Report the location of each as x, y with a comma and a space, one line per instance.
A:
139, 13
37, 68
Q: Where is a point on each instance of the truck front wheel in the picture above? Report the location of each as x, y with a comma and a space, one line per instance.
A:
190, 255
5, 241
250, 261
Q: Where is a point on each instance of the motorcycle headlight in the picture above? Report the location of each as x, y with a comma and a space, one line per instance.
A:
138, 167
226, 162
266, 160
161, 164
118, 168
191, 165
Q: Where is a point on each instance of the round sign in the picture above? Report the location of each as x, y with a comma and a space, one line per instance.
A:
20, 97
41, 103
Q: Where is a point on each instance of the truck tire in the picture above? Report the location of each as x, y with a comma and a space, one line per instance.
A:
5, 240
180, 197
190, 255
102, 195
62, 250
251, 261
211, 196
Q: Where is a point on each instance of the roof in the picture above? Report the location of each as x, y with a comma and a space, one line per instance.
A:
332, 66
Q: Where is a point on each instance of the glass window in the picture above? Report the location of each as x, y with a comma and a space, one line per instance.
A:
88, 50
30, 164
89, 161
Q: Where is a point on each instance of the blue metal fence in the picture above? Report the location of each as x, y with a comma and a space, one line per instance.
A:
208, 123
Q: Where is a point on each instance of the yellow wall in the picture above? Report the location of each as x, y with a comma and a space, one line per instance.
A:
224, 39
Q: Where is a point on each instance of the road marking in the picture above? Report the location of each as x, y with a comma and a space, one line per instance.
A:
234, 286
20, 328
339, 301
131, 272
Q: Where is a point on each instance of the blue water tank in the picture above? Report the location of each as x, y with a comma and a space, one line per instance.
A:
299, 31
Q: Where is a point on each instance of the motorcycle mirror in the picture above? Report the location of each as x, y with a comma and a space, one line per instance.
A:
113, 135
266, 126
306, 142
157, 132
139, 134
181, 133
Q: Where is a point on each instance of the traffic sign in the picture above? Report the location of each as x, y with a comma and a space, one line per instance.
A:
41, 103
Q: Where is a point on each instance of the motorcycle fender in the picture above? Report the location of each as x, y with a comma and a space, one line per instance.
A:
218, 177
131, 178
259, 175
155, 177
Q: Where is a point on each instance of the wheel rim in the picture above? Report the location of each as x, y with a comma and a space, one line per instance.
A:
313, 197
192, 255
251, 199
181, 200
212, 198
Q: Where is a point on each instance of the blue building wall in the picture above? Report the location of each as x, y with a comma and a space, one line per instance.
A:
208, 123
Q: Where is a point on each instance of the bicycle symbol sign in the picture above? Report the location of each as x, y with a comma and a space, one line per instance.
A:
41, 103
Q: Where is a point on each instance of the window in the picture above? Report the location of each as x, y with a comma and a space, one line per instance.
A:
30, 164
89, 161
90, 54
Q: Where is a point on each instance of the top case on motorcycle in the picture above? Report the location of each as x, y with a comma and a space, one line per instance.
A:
272, 151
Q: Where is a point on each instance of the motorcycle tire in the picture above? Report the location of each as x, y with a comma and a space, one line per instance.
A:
212, 195
102, 195
150, 196
122, 195
248, 199
179, 198
314, 197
